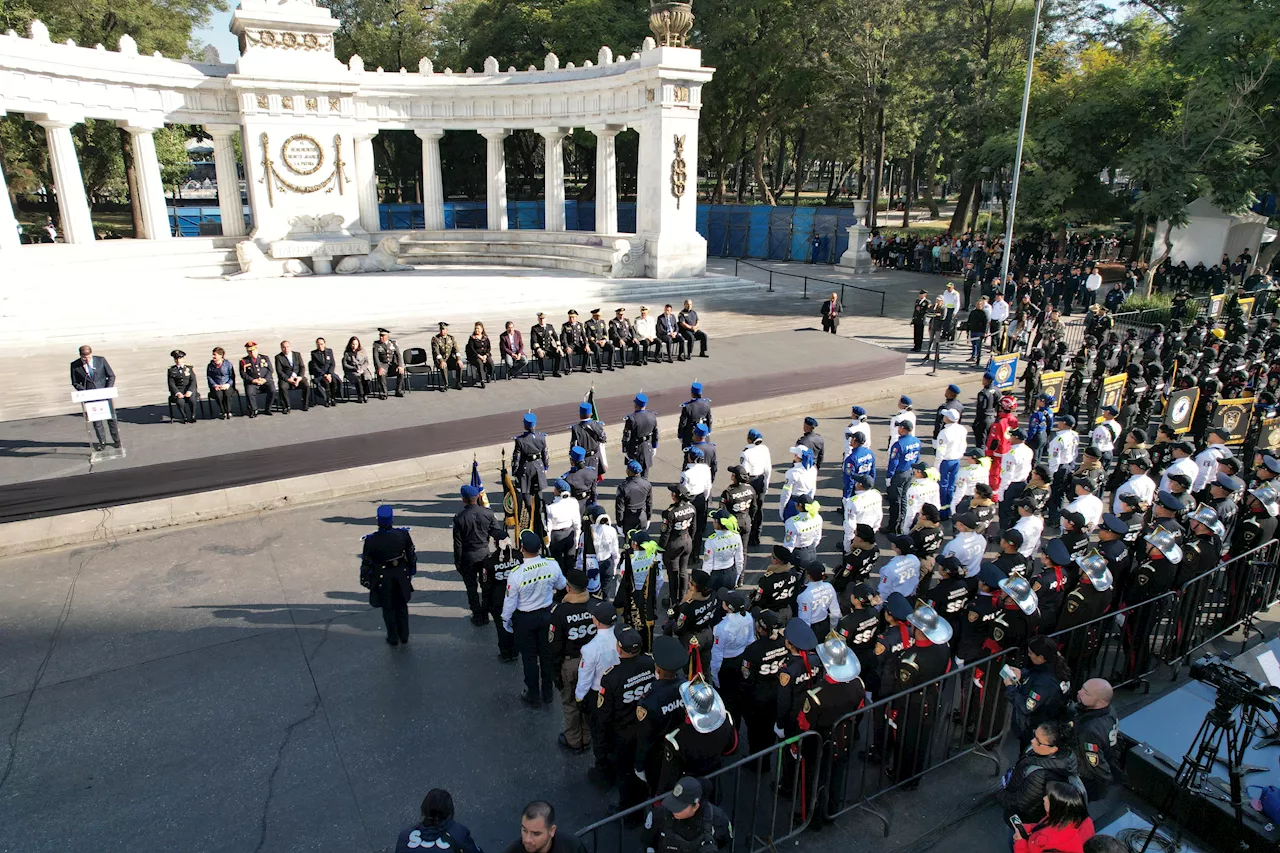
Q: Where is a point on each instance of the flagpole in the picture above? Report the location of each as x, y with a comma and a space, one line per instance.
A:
1017, 160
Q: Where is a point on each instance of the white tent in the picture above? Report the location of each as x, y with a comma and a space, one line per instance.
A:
1211, 233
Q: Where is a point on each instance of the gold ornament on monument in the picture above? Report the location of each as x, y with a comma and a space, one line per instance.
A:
670, 22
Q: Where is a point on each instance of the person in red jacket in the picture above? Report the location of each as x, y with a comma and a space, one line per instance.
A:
1065, 827
998, 442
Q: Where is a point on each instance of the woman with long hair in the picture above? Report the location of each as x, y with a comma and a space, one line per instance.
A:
355, 367
437, 827
480, 353
1066, 825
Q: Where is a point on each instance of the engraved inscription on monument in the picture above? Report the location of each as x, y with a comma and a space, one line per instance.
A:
302, 154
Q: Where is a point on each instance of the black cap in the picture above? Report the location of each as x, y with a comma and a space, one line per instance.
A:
968, 519
782, 554
735, 599
1076, 518
669, 653
865, 532
604, 612
1142, 460
1221, 433
1084, 482
531, 542
1018, 433
991, 575
1139, 435
1013, 536
629, 640
1057, 552
576, 578
1093, 451
897, 606
861, 591
800, 634
701, 578
1114, 523
1130, 499
383, 331
1181, 479
1185, 446
769, 619
902, 543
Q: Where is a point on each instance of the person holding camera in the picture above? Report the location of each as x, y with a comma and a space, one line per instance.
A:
1065, 827
683, 823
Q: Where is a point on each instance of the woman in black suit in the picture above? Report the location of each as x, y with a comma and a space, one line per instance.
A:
355, 366
480, 353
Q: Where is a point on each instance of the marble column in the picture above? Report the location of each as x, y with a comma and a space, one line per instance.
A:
73, 205
497, 181
367, 182
8, 222
553, 148
149, 182
230, 205
606, 179
432, 183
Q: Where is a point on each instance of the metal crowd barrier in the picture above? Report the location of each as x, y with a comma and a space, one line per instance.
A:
844, 286
891, 744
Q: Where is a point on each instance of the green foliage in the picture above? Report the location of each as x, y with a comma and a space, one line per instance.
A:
1139, 302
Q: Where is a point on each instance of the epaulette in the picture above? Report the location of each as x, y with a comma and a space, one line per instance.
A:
405, 529
366, 536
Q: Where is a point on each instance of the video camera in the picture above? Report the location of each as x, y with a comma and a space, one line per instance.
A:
1234, 687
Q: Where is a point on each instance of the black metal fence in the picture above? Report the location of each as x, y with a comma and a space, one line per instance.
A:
863, 298
890, 744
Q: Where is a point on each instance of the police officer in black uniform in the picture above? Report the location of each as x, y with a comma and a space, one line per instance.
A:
779, 586
661, 710
740, 500
529, 461
676, 539
473, 527
571, 627
917, 712
640, 434
614, 726
811, 439
1113, 548
857, 563
1151, 577
693, 621
493, 587
634, 504
950, 595
696, 410
686, 823
839, 693
183, 392
801, 671
700, 741
762, 660
546, 343
1090, 599
387, 566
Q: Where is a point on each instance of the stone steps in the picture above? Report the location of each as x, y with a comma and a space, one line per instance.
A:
508, 256
564, 250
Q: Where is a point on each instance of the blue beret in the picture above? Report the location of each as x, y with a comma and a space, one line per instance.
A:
584, 409
696, 452
696, 388
954, 389
813, 422
702, 429
904, 400
530, 541
858, 411
531, 420
384, 513
470, 491
577, 454
642, 400
753, 434
634, 466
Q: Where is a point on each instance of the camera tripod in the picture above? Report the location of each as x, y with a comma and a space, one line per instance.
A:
1197, 765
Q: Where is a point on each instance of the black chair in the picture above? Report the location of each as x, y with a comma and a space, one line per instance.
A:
195, 410
233, 393
418, 361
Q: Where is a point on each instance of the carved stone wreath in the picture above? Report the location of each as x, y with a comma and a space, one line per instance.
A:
289, 40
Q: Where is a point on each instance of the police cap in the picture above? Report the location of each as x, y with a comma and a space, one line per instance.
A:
782, 554
629, 640
991, 575
968, 519
604, 612
1181, 479
865, 532
1229, 483
1018, 433
669, 653
1185, 446
1114, 523
1073, 516
800, 634
1058, 552
734, 599
811, 422
1084, 483
700, 578
902, 543
531, 542
1014, 537
865, 481
1169, 500
1271, 463
769, 619
576, 578
897, 606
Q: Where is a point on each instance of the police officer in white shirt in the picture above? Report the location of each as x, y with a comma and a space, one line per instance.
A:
722, 555
1063, 449
801, 479
1030, 525
818, 603
696, 479
1138, 484
905, 413
1087, 503
1207, 459
969, 545
600, 652
950, 446
858, 424
564, 525
922, 490
1182, 463
757, 466
1015, 468
734, 632
605, 537
802, 532
1104, 435
526, 611
864, 506
902, 573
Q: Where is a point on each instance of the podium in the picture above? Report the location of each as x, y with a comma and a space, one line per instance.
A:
97, 406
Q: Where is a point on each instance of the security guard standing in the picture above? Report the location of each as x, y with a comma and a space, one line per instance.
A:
571, 626
693, 621
387, 566
740, 500
635, 499
525, 613
779, 586
676, 539
387, 360
811, 439
696, 410
859, 625
589, 434
661, 710
182, 386
473, 527
258, 378
615, 725
685, 822
762, 660
573, 337
757, 464
640, 434
529, 461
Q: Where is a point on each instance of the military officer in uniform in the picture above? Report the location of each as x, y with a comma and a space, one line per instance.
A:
661, 710
545, 343
589, 434
614, 725
473, 527
525, 613
702, 441
635, 500
573, 338
598, 343
258, 378
801, 671
445, 355
574, 622
697, 410
386, 361
917, 712
840, 692
387, 566
623, 337
183, 392
529, 461
699, 742
640, 434
581, 477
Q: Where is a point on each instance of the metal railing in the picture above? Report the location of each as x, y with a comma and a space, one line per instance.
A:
773, 795
738, 262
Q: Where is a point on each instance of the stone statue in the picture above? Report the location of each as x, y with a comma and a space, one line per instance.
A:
670, 21
381, 259
255, 264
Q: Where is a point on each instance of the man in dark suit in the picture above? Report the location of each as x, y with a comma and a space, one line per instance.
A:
324, 371
831, 314
92, 371
669, 333
291, 374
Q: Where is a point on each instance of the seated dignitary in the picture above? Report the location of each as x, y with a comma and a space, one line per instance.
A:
291, 375
183, 393
325, 379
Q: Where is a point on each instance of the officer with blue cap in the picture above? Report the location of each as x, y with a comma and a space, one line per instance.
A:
581, 477
810, 438
529, 462
640, 434
473, 528
387, 565
588, 433
801, 671
858, 424
696, 410
634, 504
564, 524
950, 401
702, 441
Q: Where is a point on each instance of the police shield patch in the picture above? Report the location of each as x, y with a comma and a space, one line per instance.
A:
641, 713
784, 678
600, 700
1092, 758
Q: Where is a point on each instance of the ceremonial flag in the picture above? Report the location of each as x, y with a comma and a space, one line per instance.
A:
483, 500
511, 503
1052, 383
591, 399
1180, 408
1003, 369
1234, 416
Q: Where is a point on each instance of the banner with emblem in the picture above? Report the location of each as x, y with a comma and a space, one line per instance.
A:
1052, 383
1179, 409
512, 507
1003, 369
1216, 303
1269, 436
1112, 393
1246, 307
1233, 416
